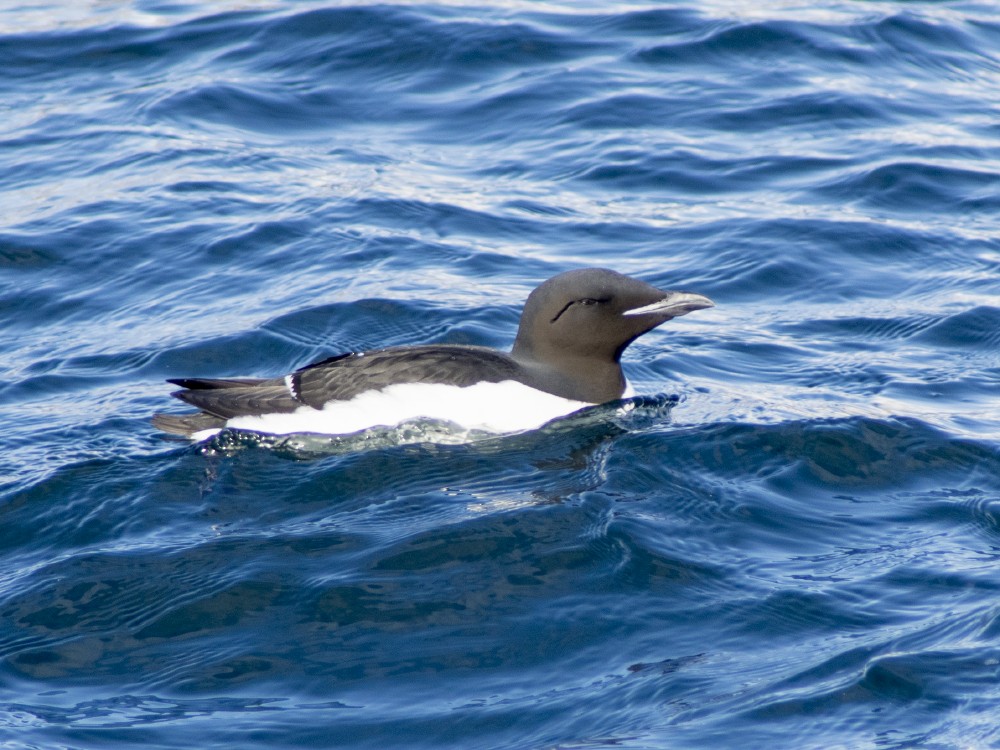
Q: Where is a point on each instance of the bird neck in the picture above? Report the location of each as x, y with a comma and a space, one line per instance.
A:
593, 380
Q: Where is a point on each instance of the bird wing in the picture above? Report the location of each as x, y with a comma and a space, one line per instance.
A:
343, 377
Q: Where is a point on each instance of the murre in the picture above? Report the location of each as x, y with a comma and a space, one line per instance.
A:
566, 357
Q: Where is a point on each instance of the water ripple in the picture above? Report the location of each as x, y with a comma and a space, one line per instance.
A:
790, 538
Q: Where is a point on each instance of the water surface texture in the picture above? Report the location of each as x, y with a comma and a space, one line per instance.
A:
793, 541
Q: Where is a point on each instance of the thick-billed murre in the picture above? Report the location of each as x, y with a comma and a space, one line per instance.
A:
566, 357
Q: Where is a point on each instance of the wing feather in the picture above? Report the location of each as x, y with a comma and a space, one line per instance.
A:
240, 401
344, 377
204, 384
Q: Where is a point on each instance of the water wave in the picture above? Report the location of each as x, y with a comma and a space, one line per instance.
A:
791, 539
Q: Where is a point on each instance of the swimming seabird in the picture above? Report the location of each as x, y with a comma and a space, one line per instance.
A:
566, 357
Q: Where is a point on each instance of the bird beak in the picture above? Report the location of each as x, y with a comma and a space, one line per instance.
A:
674, 305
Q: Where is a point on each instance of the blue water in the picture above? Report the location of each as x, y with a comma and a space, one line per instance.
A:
793, 542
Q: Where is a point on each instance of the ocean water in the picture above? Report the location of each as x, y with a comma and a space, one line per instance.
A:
793, 541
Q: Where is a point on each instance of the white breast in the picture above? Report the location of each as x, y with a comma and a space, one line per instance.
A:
507, 406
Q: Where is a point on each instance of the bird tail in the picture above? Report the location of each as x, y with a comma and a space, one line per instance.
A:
187, 424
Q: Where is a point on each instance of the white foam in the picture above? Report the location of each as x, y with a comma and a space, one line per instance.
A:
507, 406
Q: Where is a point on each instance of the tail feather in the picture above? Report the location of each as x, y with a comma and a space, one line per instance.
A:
222, 399
187, 424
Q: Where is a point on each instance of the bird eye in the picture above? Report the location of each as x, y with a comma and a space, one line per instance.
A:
585, 301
